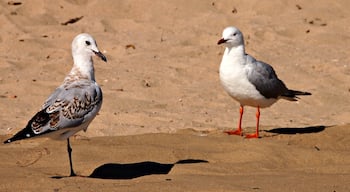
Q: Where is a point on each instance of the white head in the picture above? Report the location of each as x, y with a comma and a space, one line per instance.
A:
84, 46
232, 37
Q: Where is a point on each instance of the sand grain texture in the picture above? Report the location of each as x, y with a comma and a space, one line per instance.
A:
164, 107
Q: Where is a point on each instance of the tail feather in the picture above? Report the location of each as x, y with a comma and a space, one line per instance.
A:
299, 92
291, 95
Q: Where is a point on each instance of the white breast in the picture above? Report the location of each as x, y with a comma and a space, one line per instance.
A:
233, 77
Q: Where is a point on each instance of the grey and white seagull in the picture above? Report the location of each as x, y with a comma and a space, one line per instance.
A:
249, 81
74, 104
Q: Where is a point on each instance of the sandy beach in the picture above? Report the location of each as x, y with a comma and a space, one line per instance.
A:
164, 111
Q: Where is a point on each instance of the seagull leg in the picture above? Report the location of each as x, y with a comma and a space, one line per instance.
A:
69, 149
256, 134
238, 131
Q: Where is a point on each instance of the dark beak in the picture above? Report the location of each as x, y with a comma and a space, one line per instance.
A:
222, 41
100, 55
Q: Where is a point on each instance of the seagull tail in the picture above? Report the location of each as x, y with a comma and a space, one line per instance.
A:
39, 119
291, 95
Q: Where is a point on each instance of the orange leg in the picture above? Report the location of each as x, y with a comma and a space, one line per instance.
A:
238, 131
256, 134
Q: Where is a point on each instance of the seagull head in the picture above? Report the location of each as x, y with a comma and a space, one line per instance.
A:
231, 37
85, 45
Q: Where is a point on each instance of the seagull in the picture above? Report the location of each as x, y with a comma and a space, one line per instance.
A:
74, 104
249, 81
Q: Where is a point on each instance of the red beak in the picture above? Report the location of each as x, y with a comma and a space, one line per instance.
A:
222, 41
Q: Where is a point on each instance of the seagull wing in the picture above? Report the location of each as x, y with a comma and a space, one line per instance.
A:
70, 106
264, 78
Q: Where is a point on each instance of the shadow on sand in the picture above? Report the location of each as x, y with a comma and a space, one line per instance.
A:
134, 170
302, 130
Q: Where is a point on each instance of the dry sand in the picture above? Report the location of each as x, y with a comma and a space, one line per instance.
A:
160, 127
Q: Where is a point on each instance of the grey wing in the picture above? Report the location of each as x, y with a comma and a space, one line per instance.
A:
51, 99
72, 106
265, 80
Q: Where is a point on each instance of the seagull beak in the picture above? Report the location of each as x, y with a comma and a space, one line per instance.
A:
222, 41
100, 55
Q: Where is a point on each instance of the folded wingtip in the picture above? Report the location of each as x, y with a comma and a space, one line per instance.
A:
7, 141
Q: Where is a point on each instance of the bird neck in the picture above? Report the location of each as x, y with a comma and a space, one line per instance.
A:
234, 51
83, 68
234, 54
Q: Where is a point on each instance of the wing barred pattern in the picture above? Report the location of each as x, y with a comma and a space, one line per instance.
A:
63, 111
79, 107
54, 119
71, 108
38, 122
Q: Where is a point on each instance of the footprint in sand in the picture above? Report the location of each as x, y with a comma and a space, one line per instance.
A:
31, 157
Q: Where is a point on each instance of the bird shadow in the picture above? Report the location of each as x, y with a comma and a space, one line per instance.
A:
301, 130
134, 170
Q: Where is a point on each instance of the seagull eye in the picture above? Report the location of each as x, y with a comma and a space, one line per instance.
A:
87, 43
234, 34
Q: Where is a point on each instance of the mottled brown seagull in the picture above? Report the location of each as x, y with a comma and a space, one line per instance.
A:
74, 104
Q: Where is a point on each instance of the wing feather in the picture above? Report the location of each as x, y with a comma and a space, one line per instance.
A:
67, 107
265, 80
